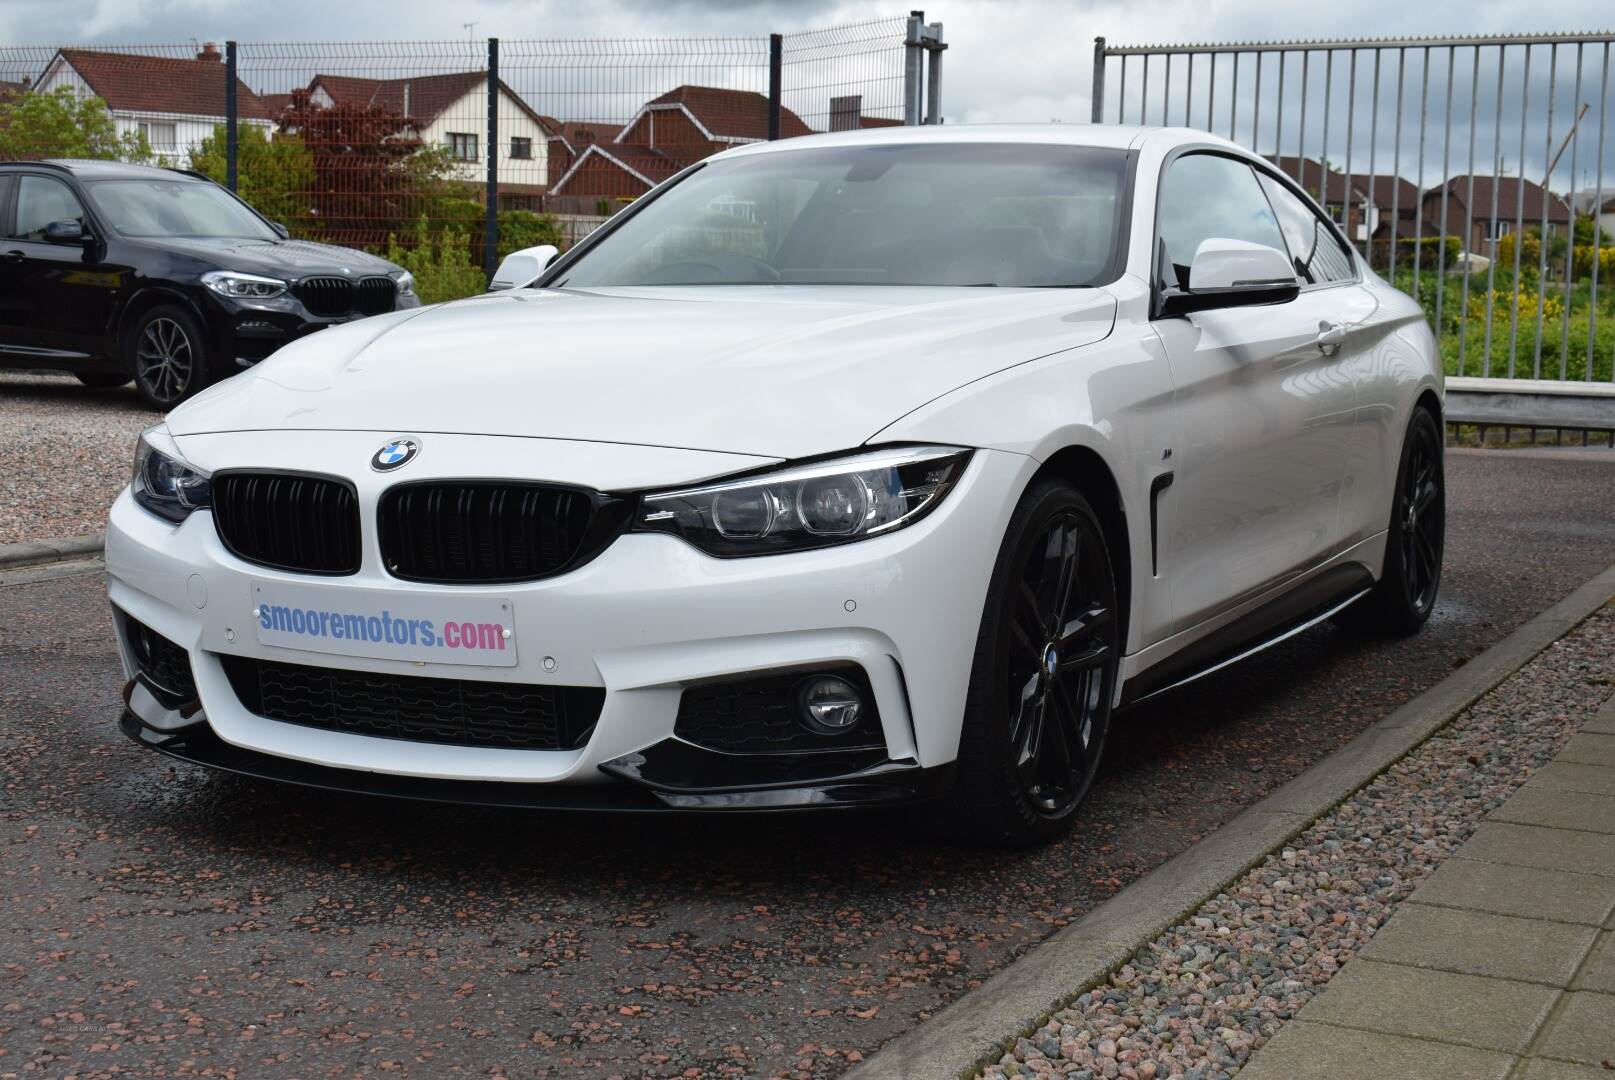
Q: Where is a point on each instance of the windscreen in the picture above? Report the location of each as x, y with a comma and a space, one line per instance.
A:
175, 208
1008, 214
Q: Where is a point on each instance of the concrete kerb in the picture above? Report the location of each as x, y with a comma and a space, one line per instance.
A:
36, 552
979, 1027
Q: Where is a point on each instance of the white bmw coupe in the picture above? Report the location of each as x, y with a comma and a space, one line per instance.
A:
855, 469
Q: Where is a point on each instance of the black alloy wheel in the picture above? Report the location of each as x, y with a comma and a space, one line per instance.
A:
1044, 674
1421, 505
1415, 540
167, 356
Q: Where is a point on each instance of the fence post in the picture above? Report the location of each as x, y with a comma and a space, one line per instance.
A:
1099, 80
933, 77
490, 216
232, 148
913, 69
776, 50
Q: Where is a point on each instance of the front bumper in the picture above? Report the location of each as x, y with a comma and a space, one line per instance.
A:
644, 620
249, 331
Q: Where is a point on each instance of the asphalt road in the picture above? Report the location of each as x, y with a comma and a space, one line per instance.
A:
158, 919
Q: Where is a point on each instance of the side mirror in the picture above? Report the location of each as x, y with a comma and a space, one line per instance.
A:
521, 268
1233, 273
64, 232
280, 230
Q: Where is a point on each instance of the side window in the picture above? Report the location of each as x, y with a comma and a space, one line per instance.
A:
1318, 255
1205, 196
40, 201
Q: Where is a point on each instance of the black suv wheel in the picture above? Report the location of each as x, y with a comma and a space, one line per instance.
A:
167, 354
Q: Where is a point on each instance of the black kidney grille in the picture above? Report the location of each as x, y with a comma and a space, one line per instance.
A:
758, 715
491, 531
289, 521
458, 712
375, 295
325, 295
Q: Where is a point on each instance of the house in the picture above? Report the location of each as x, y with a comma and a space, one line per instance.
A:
569, 138
1512, 197
9, 90
669, 133
174, 102
1583, 203
452, 111
1396, 206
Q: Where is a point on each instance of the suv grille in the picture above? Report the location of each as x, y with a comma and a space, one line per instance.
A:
758, 715
458, 712
288, 521
492, 531
375, 295
330, 296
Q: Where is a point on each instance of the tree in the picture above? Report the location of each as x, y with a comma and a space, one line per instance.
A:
372, 176
274, 172
60, 123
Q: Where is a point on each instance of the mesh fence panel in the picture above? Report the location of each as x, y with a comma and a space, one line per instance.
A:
386, 145
845, 76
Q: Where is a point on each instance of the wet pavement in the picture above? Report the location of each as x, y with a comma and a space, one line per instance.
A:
159, 919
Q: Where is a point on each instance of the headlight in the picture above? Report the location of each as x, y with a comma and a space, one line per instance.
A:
808, 506
243, 286
406, 282
164, 483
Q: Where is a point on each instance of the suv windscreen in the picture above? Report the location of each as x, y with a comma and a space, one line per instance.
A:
1010, 214
188, 208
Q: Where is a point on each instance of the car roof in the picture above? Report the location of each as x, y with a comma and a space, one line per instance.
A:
87, 169
1108, 136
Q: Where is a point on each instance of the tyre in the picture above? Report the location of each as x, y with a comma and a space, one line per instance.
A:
101, 380
1043, 676
168, 355
1414, 543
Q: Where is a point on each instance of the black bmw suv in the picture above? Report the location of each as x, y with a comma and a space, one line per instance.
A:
116, 272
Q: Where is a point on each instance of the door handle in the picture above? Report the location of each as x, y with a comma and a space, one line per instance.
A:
13, 257
1330, 337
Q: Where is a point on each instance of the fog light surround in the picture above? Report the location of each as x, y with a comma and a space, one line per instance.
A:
829, 704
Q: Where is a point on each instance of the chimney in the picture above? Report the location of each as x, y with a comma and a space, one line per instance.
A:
209, 51
846, 112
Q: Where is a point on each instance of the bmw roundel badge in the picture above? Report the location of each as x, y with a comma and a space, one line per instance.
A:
396, 454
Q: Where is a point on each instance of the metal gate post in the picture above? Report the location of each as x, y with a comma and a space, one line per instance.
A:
913, 69
490, 216
776, 50
1098, 116
933, 77
232, 146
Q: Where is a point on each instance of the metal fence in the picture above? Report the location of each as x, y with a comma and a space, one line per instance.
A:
1478, 173
452, 152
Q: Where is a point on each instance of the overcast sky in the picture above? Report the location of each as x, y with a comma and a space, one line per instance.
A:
1018, 60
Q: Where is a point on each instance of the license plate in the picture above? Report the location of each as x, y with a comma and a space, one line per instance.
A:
422, 628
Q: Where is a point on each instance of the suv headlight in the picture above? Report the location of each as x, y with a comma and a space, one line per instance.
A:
808, 506
406, 282
164, 482
241, 286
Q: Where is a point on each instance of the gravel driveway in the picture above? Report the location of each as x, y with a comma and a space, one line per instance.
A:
156, 916
68, 452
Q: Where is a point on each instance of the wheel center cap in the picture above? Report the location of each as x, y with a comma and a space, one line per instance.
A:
1051, 661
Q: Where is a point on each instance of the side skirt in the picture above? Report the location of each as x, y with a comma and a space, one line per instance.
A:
1281, 618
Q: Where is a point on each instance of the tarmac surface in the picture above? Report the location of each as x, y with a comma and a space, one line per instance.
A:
159, 919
